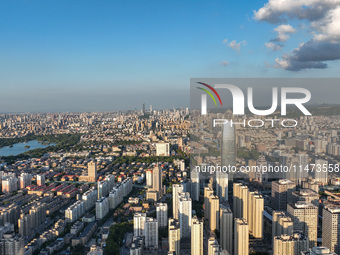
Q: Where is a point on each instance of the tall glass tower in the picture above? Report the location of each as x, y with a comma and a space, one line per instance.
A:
228, 157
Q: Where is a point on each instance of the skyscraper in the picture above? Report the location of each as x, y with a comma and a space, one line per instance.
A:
195, 185
176, 189
151, 233
213, 246
321, 176
331, 228
92, 171
228, 158
281, 224
162, 214
237, 204
305, 219
157, 179
282, 194
102, 207
40, 179
196, 237
139, 224
214, 215
174, 236
226, 228
240, 200
185, 214
149, 178
228, 146
207, 193
241, 235
25, 180
255, 214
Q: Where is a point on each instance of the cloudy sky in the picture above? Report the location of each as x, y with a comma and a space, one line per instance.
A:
62, 55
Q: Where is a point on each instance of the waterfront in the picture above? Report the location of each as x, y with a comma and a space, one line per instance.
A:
19, 148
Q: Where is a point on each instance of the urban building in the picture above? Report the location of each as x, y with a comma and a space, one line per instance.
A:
162, 214
226, 228
241, 235
305, 219
196, 237
174, 236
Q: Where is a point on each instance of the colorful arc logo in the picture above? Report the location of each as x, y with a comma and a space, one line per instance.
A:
209, 93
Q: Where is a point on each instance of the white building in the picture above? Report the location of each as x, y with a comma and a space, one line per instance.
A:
162, 149
196, 237
176, 189
185, 214
241, 237
162, 214
102, 208
151, 233
75, 211
139, 224
226, 228
174, 236
90, 198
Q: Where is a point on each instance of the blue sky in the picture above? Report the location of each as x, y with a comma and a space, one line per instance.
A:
62, 55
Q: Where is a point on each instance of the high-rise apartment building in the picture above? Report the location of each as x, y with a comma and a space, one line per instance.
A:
281, 224
174, 236
139, 224
25, 180
255, 214
151, 233
149, 178
157, 179
214, 215
92, 171
102, 208
162, 214
213, 246
208, 191
176, 189
240, 200
40, 179
226, 228
9, 184
195, 185
241, 235
185, 214
196, 237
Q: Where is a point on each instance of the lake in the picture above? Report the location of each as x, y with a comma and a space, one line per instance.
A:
19, 148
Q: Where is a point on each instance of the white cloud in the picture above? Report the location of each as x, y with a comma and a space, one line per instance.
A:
276, 11
283, 32
235, 45
323, 20
224, 63
273, 46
